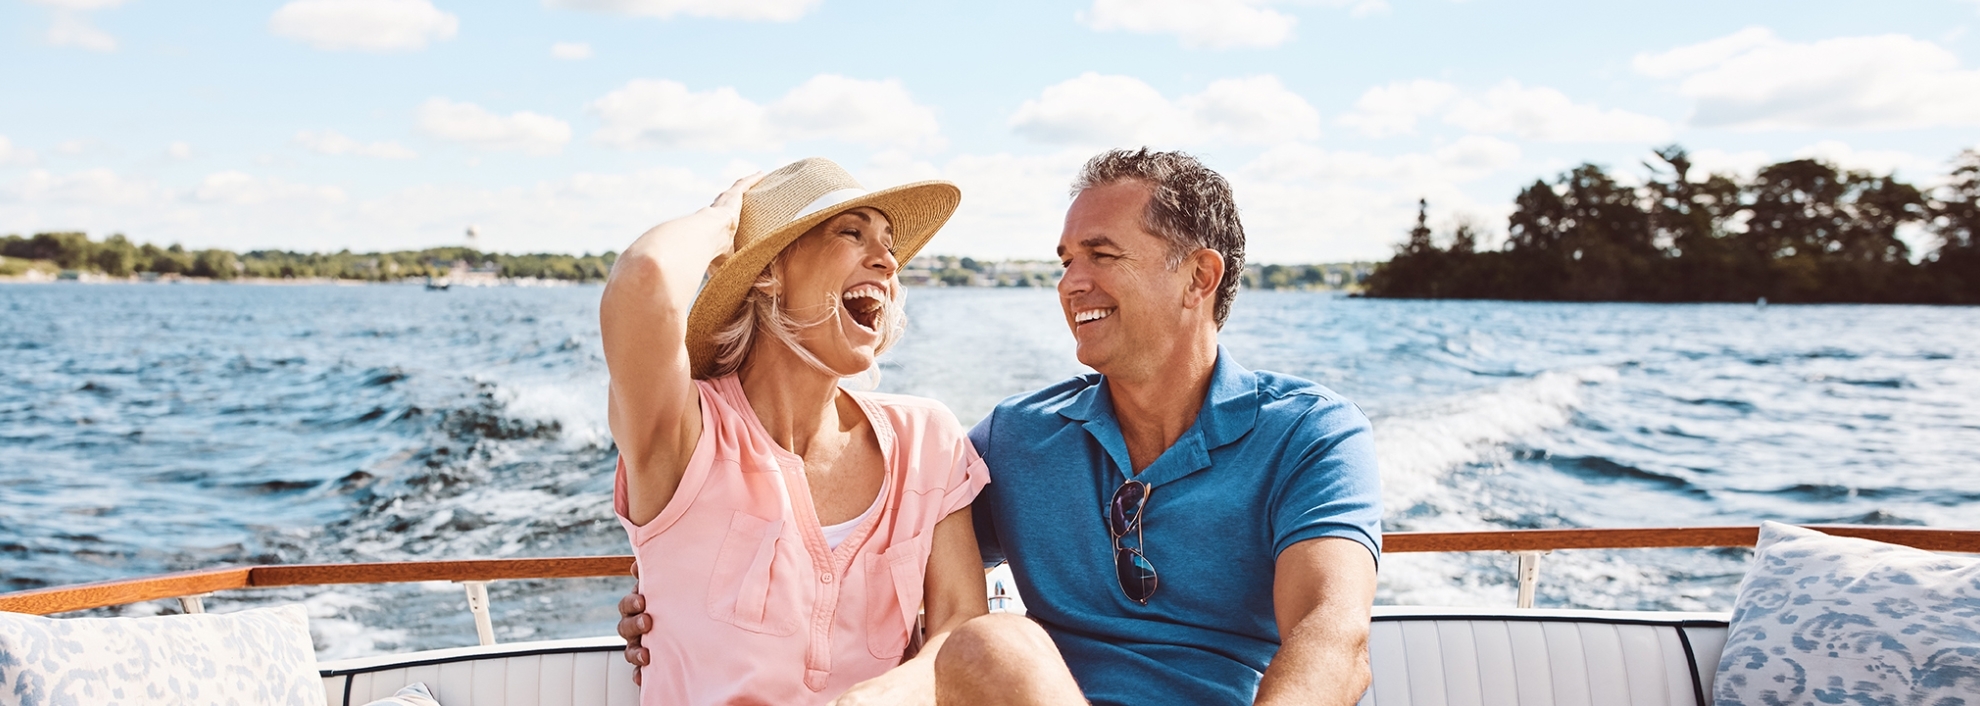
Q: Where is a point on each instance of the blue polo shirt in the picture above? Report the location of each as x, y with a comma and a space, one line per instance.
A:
1271, 461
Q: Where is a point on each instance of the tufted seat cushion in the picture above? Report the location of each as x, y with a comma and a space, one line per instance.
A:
1441, 657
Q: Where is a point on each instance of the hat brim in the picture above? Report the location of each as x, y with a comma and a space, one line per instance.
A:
916, 211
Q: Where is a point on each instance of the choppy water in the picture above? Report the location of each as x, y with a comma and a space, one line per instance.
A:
146, 429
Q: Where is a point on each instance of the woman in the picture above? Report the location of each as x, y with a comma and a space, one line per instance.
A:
786, 530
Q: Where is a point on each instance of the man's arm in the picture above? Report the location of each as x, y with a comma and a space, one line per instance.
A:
1322, 591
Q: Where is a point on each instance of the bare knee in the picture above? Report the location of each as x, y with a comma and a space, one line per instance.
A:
1007, 652
995, 638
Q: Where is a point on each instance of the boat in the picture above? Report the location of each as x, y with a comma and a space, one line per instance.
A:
1420, 656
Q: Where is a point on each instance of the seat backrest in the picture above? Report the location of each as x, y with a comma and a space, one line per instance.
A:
1437, 657
588, 672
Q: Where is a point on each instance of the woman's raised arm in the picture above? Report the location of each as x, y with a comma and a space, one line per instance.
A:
654, 411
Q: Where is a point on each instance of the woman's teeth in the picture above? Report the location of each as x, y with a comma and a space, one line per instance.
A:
1091, 315
865, 303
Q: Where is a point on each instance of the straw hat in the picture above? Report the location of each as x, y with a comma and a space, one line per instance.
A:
783, 206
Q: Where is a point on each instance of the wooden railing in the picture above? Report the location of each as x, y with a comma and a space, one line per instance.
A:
1527, 544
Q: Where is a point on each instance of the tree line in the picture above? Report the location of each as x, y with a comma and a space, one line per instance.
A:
1797, 231
117, 256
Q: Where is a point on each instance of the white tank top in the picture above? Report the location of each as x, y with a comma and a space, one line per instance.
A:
834, 534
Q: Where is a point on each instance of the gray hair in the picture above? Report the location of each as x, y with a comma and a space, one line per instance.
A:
1189, 206
764, 312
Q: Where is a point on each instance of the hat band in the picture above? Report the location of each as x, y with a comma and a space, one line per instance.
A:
829, 200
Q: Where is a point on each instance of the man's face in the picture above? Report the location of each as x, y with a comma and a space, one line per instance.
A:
1118, 293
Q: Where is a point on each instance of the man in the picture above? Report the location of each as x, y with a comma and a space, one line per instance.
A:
1183, 531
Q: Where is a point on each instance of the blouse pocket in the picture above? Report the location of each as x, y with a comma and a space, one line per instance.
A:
893, 595
739, 588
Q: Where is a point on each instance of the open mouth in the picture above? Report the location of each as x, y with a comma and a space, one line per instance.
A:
1090, 315
865, 303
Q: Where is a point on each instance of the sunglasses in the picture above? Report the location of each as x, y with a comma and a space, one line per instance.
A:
1137, 577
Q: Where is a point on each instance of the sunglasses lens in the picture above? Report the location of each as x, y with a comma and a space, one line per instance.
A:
1125, 509
1137, 576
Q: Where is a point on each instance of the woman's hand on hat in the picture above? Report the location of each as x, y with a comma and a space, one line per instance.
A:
730, 202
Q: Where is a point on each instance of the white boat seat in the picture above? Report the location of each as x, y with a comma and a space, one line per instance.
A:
1471, 657
1420, 657
588, 671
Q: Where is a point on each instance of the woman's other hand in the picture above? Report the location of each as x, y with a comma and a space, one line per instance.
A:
633, 625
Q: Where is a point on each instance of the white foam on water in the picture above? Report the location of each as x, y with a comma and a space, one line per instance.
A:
340, 637
1419, 447
577, 406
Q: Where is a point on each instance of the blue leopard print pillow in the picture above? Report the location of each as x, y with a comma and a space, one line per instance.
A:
1838, 620
261, 656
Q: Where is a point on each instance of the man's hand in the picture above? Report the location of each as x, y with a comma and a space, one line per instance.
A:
634, 624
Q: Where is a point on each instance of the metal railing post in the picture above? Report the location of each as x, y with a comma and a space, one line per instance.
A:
192, 604
477, 599
1529, 575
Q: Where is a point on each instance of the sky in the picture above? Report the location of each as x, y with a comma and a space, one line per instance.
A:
574, 125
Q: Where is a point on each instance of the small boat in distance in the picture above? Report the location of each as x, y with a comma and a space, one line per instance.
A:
437, 285
1420, 656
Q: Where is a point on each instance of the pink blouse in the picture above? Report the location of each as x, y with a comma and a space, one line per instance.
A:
748, 604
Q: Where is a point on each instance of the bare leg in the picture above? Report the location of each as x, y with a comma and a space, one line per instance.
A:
1001, 659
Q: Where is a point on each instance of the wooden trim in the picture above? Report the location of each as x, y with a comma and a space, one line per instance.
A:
1940, 540
474, 570
63, 599
108, 593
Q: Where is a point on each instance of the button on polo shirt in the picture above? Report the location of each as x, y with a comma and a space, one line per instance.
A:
1271, 461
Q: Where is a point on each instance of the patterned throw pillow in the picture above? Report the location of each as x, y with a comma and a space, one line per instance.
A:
1839, 620
261, 656
414, 694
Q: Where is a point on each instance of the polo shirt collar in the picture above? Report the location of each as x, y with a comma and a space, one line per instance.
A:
1229, 411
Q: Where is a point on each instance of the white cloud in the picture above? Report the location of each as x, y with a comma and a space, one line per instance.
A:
651, 113
1258, 109
868, 112
759, 10
571, 51
243, 189
1703, 55
472, 124
1393, 109
1707, 163
1757, 81
1535, 113
648, 113
332, 142
1879, 162
72, 146
1213, 24
363, 25
90, 188
1096, 109
179, 150
1306, 204
71, 30
1547, 115
11, 155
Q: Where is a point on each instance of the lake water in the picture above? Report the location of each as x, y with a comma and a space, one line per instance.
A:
146, 429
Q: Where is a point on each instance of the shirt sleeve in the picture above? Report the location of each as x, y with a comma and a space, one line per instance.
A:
984, 511
1331, 486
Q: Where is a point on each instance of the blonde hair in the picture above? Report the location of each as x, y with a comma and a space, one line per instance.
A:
763, 311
